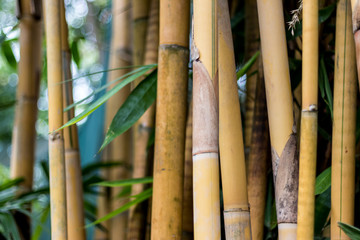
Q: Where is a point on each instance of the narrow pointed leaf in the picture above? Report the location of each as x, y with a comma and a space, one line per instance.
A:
104, 98
323, 181
141, 197
133, 108
247, 65
351, 231
126, 182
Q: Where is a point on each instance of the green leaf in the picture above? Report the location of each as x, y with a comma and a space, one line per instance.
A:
323, 181
93, 167
105, 86
247, 65
75, 52
8, 54
141, 197
126, 182
104, 98
139, 100
10, 183
324, 86
326, 12
322, 209
351, 231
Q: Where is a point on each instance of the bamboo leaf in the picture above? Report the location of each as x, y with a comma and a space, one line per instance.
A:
323, 181
141, 197
103, 99
126, 182
91, 168
75, 52
247, 65
10, 183
322, 209
326, 12
324, 86
133, 108
8, 54
351, 231
105, 86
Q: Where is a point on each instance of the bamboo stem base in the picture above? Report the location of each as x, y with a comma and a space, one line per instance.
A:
287, 231
237, 225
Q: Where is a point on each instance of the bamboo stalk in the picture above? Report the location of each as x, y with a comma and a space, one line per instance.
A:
188, 216
171, 104
140, 15
142, 130
56, 142
205, 122
355, 4
308, 141
257, 163
120, 148
24, 133
343, 146
280, 112
74, 188
252, 45
236, 207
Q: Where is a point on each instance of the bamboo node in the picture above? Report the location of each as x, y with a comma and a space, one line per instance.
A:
54, 136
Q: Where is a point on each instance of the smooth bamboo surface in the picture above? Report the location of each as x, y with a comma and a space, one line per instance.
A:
170, 123
205, 121
280, 112
233, 170
188, 216
142, 130
257, 163
343, 139
140, 15
252, 45
24, 133
120, 148
74, 188
309, 119
56, 142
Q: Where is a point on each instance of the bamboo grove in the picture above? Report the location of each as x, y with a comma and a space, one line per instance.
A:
223, 119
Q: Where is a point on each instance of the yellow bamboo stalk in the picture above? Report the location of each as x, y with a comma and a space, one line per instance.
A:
74, 188
188, 223
24, 133
171, 107
252, 45
120, 148
140, 15
308, 140
142, 130
355, 5
233, 170
56, 142
257, 163
343, 146
205, 121
280, 112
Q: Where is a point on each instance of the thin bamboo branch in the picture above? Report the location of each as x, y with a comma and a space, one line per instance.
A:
56, 142
343, 140
171, 104
74, 188
280, 112
233, 170
308, 141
